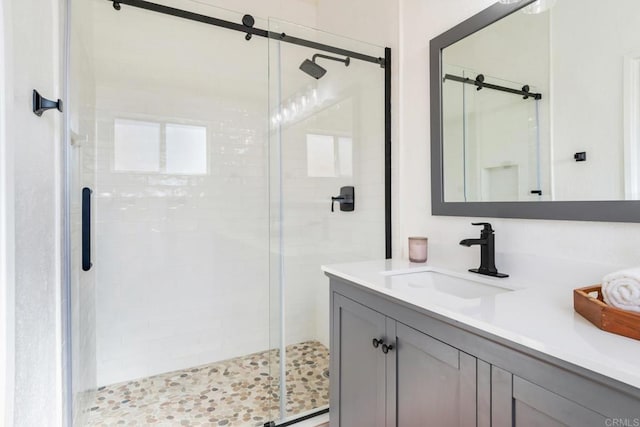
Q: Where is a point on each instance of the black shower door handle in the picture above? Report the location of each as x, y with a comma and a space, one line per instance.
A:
86, 229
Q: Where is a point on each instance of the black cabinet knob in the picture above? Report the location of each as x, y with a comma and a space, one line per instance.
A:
376, 342
386, 348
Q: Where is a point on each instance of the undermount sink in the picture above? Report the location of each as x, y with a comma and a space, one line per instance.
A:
461, 285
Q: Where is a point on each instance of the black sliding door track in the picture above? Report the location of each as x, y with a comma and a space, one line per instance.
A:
245, 29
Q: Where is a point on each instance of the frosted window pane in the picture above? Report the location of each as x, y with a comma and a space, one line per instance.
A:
186, 149
345, 156
320, 156
136, 146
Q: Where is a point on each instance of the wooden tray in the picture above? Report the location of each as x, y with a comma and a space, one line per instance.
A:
605, 317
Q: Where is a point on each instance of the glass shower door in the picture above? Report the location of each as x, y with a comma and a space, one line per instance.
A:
327, 130
169, 129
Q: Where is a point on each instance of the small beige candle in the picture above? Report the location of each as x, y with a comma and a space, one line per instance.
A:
418, 249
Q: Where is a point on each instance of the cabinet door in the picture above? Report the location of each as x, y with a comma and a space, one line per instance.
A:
435, 383
518, 402
535, 406
357, 367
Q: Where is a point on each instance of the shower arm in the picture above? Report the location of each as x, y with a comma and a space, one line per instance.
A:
346, 61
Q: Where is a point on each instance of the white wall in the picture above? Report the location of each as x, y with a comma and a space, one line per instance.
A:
602, 245
6, 237
33, 60
588, 116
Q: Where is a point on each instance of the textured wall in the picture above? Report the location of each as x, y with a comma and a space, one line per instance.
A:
35, 57
6, 239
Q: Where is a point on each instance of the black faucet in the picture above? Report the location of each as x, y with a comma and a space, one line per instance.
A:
487, 251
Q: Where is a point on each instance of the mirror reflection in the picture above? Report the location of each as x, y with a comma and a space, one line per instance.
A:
539, 107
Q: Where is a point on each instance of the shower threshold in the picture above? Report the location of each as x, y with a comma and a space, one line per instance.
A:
234, 392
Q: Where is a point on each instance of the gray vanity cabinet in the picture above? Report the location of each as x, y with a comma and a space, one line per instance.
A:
405, 378
438, 372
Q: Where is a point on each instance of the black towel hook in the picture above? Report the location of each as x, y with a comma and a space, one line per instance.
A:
40, 104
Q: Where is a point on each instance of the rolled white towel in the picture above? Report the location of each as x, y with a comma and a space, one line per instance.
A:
621, 289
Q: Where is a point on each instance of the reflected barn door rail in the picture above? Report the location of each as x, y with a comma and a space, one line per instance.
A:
479, 82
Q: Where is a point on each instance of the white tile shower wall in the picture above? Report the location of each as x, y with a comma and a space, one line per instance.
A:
313, 235
182, 261
602, 246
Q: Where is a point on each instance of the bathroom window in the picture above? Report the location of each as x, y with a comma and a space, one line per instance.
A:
142, 146
186, 150
329, 155
136, 146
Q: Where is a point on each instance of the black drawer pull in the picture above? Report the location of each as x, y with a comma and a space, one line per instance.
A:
387, 348
377, 342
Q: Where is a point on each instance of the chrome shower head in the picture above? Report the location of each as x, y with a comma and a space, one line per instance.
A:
316, 71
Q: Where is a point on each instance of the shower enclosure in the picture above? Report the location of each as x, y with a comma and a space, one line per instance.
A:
203, 168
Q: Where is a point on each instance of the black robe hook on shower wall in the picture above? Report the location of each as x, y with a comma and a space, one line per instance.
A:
40, 104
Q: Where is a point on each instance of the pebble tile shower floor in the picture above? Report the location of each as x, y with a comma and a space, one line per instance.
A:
234, 392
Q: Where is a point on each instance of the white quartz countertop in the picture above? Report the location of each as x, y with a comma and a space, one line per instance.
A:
537, 314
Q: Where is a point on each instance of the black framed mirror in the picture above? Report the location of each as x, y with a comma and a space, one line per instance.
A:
535, 112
